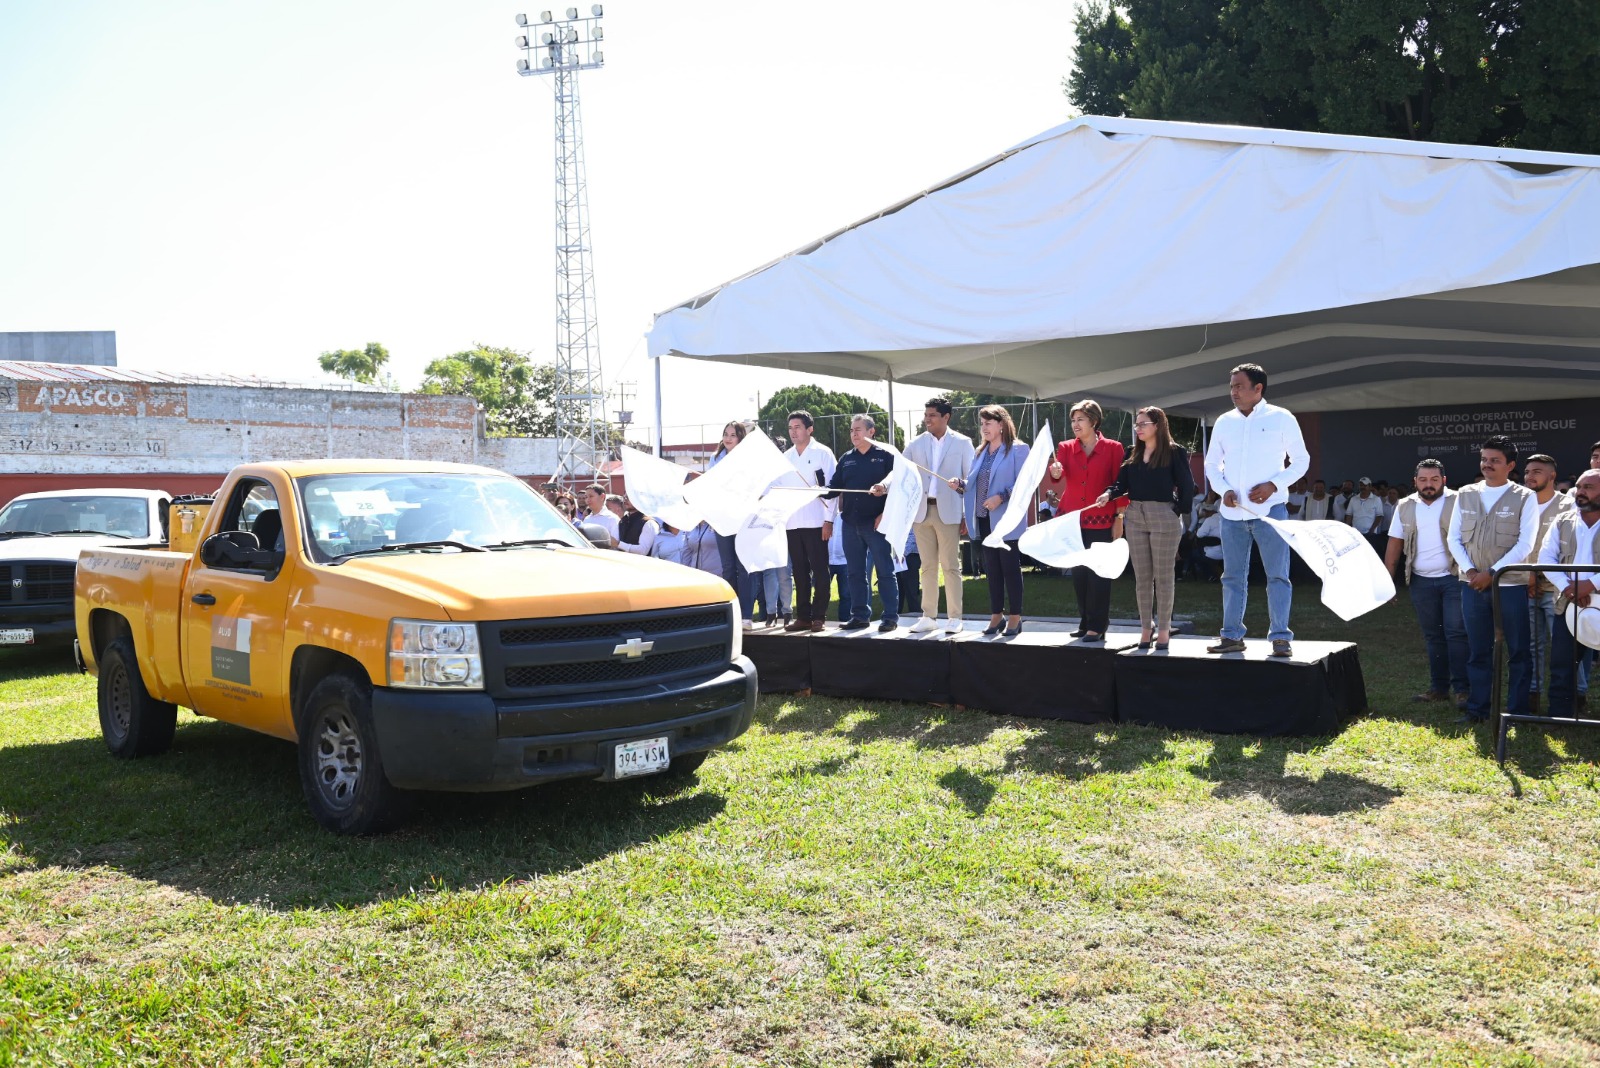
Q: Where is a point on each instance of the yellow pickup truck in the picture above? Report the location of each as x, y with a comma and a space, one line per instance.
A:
412, 627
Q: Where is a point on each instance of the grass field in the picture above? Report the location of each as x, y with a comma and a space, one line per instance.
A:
848, 884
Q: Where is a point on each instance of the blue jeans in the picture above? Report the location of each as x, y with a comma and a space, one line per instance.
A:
773, 589
736, 575
1477, 611
1562, 670
840, 575
862, 542
1437, 602
1237, 534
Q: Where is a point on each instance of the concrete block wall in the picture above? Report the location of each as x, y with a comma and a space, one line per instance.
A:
78, 433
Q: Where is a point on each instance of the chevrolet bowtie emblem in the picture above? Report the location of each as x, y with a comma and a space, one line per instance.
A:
633, 648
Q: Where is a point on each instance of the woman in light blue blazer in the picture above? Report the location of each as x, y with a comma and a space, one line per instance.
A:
985, 493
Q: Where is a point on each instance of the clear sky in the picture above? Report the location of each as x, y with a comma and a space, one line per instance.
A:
239, 187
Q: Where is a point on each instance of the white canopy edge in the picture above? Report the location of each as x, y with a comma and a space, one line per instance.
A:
1168, 238
1195, 131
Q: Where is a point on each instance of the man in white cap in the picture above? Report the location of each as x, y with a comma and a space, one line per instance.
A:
1574, 538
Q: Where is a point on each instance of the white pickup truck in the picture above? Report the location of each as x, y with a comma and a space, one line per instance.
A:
41, 535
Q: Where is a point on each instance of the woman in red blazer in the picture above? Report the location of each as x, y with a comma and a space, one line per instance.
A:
1089, 463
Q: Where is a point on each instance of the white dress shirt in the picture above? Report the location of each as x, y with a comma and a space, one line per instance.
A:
1366, 513
1247, 450
1583, 555
647, 539
1433, 559
1528, 534
603, 518
816, 458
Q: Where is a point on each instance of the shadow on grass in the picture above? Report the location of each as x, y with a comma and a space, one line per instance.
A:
221, 815
36, 661
1238, 766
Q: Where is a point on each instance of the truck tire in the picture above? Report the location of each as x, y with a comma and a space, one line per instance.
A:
133, 723
341, 770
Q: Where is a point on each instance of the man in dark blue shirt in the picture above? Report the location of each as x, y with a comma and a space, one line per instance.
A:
866, 467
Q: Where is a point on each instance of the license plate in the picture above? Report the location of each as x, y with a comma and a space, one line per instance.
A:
642, 757
17, 636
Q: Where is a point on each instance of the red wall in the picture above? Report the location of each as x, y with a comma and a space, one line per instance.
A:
13, 485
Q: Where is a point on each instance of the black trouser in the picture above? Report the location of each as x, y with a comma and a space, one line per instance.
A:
1094, 592
1003, 569
808, 556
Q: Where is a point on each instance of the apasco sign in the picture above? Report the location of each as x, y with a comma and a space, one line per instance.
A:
102, 398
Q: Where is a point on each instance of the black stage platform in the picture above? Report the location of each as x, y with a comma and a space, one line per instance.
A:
1046, 674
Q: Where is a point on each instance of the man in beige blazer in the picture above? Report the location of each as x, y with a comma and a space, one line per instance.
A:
938, 524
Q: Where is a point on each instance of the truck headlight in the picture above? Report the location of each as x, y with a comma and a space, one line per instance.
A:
424, 654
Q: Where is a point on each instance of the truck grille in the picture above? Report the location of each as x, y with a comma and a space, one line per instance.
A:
25, 583
531, 657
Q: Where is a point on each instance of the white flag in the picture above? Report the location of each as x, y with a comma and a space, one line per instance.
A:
1354, 580
763, 540
727, 494
1020, 505
900, 505
655, 486
1059, 543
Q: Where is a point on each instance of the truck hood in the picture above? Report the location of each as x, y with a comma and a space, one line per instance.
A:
540, 582
62, 548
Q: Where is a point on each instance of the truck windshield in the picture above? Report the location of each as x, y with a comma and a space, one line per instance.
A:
358, 513
127, 517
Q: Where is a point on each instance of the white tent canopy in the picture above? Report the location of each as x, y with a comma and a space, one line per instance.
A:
1138, 261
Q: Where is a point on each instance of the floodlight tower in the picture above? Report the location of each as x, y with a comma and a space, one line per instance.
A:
562, 48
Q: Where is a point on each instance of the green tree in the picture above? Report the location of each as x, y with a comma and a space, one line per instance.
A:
359, 365
518, 395
1523, 73
831, 410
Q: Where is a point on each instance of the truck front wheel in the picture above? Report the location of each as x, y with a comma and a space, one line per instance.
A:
133, 723
340, 769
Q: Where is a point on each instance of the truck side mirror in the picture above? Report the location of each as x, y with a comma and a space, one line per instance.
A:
598, 535
230, 548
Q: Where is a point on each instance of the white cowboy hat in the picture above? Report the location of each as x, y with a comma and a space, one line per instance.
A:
1584, 625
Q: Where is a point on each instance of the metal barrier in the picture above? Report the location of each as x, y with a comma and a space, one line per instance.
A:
1503, 719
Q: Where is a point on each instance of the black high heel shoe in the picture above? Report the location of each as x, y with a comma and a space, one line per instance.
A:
1012, 632
991, 631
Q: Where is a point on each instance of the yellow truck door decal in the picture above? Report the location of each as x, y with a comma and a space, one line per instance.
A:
230, 649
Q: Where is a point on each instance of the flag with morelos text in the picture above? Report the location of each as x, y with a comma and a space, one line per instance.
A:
762, 541
727, 494
655, 486
1019, 508
1059, 543
1354, 580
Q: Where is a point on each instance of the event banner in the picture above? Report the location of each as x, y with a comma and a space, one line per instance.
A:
1386, 443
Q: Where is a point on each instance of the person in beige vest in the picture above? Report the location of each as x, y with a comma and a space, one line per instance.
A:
1539, 475
1419, 528
937, 526
1494, 526
1573, 538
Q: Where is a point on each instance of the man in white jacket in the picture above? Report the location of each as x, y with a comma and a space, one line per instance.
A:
1256, 452
937, 527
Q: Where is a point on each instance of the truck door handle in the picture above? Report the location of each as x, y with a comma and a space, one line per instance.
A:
203, 598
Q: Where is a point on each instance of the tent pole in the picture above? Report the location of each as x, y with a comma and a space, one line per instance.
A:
660, 430
889, 378
1034, 409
